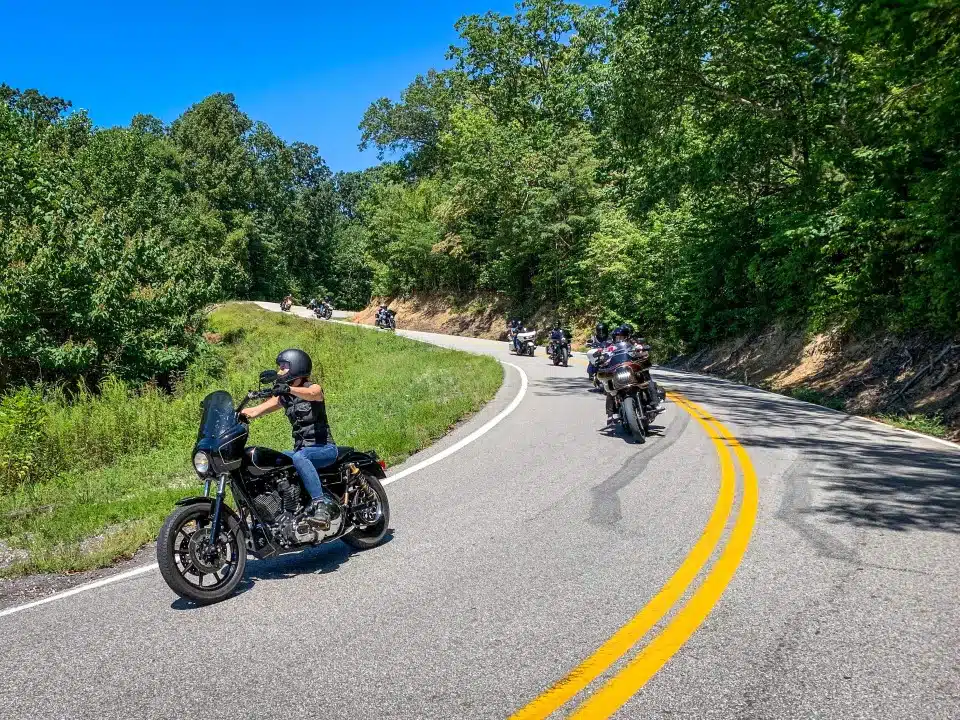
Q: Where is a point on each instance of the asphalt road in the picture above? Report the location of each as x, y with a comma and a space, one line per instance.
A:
517, 557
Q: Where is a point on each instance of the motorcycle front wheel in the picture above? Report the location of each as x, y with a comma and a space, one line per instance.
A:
190, 566
628, 411
566, 358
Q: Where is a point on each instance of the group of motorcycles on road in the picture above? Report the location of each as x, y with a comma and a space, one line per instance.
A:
618, 364
322, 309
203, 545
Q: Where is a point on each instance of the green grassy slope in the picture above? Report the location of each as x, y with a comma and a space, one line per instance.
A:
107, 467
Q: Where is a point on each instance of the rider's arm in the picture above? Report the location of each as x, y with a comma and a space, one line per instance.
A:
314, 393
262, 409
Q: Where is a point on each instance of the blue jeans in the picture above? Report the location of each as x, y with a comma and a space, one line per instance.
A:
307, 460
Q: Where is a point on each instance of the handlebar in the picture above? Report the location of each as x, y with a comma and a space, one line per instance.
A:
252, 395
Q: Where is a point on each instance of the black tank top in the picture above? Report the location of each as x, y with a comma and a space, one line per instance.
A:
309, 420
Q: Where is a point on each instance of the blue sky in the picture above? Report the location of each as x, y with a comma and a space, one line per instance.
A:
308, 70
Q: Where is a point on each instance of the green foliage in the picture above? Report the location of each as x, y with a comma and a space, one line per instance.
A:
816, 397
111, 463
926, 424
700, 169
112, 241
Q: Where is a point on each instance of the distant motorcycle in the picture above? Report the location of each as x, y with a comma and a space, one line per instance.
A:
203, 544
593, 352
286, 304
386, 319
558, 349
323, 310
525, 342
623, 371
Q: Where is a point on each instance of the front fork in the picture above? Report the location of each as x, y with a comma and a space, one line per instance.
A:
217, 505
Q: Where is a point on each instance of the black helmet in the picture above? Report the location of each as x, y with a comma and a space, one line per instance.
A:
298, 362
627, 330
624, 332
601, 331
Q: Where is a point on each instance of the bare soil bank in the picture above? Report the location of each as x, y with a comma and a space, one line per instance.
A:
481, 316
880, 374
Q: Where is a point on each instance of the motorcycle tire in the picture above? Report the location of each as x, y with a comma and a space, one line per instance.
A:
369, 537
566, 358
167, 553
629, 413
556, 359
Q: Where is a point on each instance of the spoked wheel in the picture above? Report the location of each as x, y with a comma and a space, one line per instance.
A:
193, 568
628, 411
372, 515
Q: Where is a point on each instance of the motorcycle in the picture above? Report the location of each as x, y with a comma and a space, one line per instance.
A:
323, 310
593, 352
623, 371
386, 319
558, 349
285, 305
203, 544
525, 342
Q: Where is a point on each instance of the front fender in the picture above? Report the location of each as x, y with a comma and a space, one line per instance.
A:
234, 519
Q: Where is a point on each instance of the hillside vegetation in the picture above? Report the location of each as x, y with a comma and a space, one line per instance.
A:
88, 479
701, 169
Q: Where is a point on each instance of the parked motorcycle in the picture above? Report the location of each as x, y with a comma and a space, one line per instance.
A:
203, 544
386, 319
623, 371
558, 349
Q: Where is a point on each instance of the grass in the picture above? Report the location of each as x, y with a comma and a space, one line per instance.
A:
926, 424
814, 396
103, 469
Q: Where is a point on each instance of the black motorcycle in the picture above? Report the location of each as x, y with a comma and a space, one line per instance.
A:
323, 309
623, 371
203, 544
386, 319
558, 349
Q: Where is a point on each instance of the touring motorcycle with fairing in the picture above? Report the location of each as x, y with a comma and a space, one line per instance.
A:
203, 544
623, 372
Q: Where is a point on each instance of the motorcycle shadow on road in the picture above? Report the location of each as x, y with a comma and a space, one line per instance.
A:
319, 560
559, 386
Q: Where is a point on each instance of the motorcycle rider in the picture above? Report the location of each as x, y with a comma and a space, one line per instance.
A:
305, 408
624, 333
515, 327
601, 337
287, 302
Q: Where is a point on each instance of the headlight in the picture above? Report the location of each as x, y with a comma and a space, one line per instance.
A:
201, 463
623, 376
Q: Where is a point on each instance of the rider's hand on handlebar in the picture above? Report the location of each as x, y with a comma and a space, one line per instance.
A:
280, 389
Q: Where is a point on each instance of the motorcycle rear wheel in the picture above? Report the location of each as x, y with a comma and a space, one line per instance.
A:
178, 554
629, 413
372, 535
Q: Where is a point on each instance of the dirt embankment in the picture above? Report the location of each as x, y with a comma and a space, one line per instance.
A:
482, 316
880, 374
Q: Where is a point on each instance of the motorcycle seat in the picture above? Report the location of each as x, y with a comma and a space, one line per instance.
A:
343, 451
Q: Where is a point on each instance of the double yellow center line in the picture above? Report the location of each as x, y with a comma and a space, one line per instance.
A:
659, 649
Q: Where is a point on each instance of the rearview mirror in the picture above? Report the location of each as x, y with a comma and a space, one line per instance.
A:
268, 376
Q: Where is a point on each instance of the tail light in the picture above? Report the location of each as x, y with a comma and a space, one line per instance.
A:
382, 464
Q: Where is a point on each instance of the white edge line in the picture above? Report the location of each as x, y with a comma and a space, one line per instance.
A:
489, 425
891, 429
81, 588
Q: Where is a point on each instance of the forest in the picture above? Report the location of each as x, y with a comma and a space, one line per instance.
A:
697, 168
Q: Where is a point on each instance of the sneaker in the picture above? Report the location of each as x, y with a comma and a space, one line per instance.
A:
318, 516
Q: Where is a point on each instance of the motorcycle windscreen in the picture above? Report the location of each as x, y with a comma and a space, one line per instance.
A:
218, 415
622, 352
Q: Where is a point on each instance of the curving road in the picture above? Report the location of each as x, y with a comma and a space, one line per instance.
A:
548, 552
